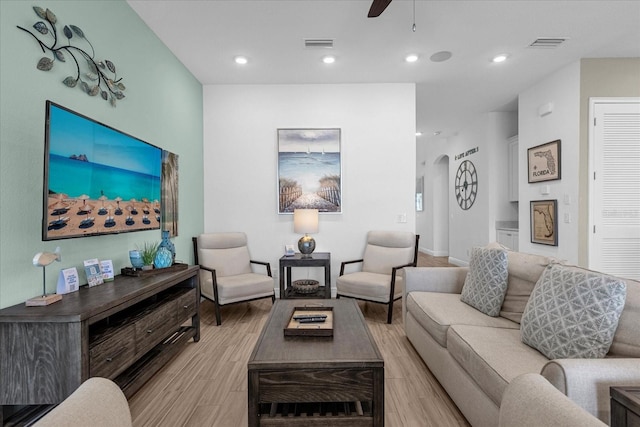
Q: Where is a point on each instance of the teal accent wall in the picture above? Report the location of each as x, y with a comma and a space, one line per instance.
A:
163, 106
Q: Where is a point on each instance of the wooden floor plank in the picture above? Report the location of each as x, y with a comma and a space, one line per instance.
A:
206, 384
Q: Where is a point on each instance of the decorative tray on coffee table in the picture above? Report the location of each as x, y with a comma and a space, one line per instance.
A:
310, 321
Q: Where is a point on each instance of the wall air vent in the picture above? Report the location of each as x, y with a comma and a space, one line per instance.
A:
547, 42
318, 43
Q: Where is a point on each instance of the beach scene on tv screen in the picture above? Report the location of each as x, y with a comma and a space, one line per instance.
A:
99, 180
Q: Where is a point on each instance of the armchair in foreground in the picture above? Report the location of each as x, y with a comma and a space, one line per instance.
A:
226, 276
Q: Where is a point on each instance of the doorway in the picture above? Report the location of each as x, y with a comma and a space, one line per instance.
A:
614, 186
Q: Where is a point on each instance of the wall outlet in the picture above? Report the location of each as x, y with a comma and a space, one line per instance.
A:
401, 218
567, 218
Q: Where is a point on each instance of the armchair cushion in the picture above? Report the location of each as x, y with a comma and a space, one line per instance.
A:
371, 286
242, 287
227, 253
388, 249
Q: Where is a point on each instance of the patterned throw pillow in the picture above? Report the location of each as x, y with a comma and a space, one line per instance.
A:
486, 282
573, 313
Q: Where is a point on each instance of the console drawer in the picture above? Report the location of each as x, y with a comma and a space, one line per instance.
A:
154, 326
113, 355
186, 306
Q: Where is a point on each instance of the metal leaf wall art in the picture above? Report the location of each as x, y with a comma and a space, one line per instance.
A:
100, 77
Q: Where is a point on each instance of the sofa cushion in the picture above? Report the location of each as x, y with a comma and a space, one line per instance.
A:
524, 271
573, 313
626, 341
486, 283
492, 356
436, 311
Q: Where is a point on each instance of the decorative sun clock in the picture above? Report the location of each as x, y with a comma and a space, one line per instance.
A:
466, 184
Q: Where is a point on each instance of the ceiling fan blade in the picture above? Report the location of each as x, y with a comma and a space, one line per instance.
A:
377, 7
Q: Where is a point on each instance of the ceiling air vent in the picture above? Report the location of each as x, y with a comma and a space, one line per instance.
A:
318, 43
547, 42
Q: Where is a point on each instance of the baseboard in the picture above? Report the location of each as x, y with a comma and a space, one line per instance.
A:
432, 252
458, 262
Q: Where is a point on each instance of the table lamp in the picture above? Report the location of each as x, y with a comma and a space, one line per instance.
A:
42, 259
305, 221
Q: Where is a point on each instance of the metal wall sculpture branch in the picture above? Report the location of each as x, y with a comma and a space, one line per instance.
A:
101, 77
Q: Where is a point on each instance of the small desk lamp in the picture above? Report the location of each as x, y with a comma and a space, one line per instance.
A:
42, 259
305, 221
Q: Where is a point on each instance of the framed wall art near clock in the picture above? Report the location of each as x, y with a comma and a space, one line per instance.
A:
466, 185
544, 162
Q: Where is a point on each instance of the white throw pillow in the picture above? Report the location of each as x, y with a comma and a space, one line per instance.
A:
486, 283
573, 313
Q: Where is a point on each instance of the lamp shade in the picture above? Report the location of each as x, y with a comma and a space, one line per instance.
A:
305, 220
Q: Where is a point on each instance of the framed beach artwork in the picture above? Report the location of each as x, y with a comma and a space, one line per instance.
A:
309, 170
544, 224
544, 162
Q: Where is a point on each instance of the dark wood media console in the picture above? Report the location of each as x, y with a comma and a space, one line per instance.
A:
125, 330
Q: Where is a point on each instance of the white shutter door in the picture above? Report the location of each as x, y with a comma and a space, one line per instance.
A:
615, 194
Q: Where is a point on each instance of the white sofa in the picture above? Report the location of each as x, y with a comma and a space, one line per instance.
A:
475, 356
531, 401
98, 402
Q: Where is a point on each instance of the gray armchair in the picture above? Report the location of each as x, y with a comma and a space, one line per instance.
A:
377, 281
226, 275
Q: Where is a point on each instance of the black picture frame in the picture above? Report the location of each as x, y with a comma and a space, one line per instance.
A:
544, 162
544, 222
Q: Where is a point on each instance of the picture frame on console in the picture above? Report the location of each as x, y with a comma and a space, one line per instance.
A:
309, 170
544, 163
544, 224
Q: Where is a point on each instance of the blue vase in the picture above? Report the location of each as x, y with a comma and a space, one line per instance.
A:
167, 243
135, 258
163, 258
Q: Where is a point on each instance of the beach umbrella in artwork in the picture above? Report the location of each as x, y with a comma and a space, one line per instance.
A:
118, 200
85, 207
102, 199
59, 200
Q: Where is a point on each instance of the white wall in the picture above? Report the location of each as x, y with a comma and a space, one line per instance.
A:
563, 90
475, 226
240, 163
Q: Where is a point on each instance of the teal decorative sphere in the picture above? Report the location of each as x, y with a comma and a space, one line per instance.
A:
163, 258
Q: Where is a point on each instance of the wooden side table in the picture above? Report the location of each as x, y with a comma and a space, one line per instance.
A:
625, 406
316, 259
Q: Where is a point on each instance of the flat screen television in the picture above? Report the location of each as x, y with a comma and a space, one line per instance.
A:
97, 180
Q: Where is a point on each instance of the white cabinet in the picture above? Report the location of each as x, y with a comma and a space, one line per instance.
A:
512, 168
508, 238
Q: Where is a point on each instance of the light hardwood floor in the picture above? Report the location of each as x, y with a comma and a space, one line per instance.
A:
206, 384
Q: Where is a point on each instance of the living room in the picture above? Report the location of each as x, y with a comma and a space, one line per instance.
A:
225, 136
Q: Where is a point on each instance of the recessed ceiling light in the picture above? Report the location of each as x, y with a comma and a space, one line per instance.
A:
500, 58
436, 133
418, 133
241, 60
441, 56
328, 59
411, 58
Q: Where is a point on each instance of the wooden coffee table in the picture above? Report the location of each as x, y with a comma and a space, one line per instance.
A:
337, 381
